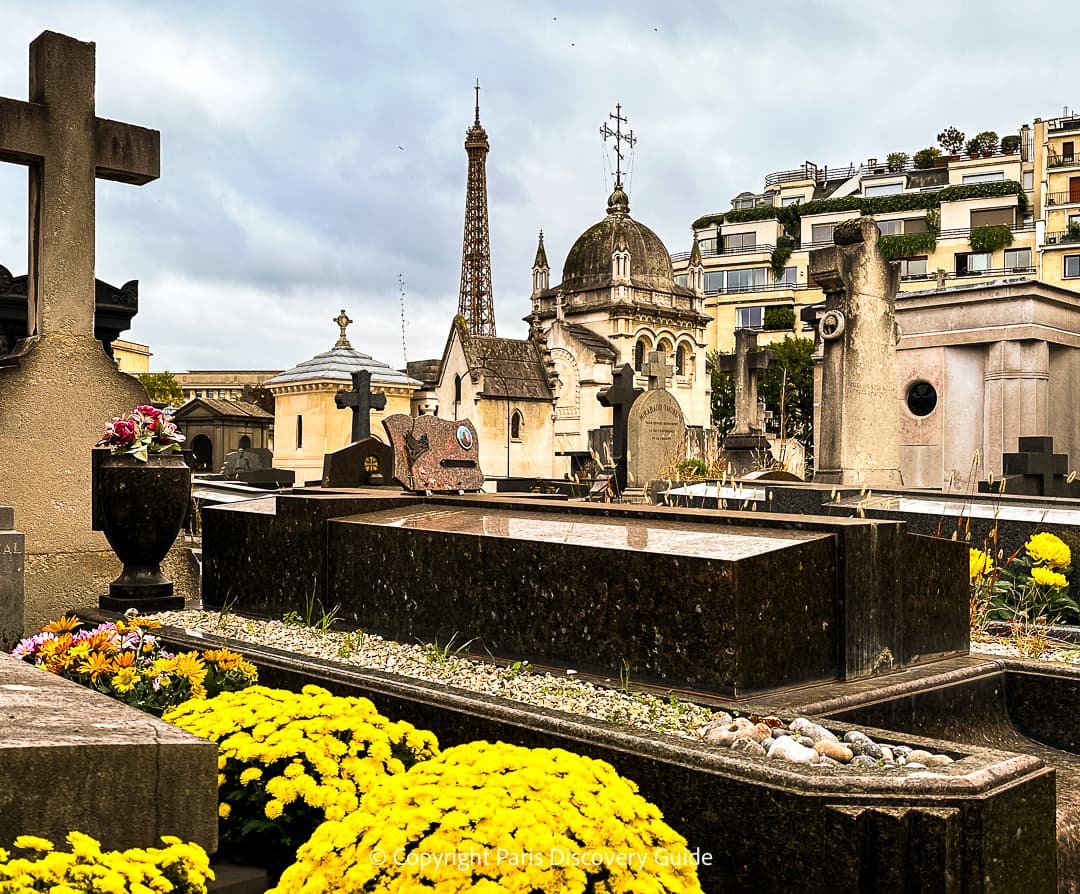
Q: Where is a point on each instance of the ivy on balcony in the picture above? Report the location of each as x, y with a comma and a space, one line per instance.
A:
791, 215
990, 238
907, 245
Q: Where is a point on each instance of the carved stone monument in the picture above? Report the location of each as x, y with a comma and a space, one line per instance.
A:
57, 386
365, 463
433, 454
620, 396
12, 569
745, 446
656, 428
858, 439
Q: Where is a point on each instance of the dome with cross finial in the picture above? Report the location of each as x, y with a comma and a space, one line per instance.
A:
588, 264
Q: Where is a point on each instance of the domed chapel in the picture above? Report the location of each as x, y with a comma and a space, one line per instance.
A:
617, 302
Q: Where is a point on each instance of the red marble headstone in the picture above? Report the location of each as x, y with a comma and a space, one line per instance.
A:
432, 454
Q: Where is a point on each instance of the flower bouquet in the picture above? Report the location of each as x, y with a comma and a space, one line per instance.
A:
144, 431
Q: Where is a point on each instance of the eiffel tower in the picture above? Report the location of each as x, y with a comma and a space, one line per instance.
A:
475, 303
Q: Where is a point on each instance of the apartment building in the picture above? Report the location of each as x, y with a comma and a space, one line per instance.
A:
992, 213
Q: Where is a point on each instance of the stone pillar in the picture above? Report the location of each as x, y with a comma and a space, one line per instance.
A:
1017, 398
12, 571
858, 440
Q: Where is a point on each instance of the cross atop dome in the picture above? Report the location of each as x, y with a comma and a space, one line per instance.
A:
620, 138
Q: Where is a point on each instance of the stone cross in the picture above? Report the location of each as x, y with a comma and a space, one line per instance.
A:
57, 135
746, 363
361, 401
620, 396
658, 369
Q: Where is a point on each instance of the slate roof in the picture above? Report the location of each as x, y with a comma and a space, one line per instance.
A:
426, 371
509, 367
338, 364
223, 407
595, 342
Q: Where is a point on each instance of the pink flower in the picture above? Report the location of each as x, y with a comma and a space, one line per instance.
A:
152, 412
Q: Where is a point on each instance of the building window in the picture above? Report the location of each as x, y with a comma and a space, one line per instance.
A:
915, 225
1017, 258
515, 426
749, 317
972, 263
1068, 155
639, 354
891, 227
714, 281
680, 279
984, 178
993, 217
746, 279
707, 246
822, 232
1029, 180
457, 389
734, 241
884, 189
244, 443
1072, 266
665, 346
743, 203
299, 432
921, 399
791, 200
913, 267
789, 277
680, 360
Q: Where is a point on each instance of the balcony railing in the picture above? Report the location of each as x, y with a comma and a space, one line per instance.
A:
965, 232
1063, 161
1072, 197
715, 253
1061, 237
810, 171
997, 271
771, 287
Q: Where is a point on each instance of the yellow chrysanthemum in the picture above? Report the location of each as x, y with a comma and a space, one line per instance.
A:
979, 564
1047, 577
32, 843
1046, 549
224, 809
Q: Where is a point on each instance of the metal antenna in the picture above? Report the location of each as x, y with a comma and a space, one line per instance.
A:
401, 290
620, 138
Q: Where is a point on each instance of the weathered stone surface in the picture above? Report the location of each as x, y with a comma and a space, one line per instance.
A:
833, 750
71, 758
655, 438
12, 572
61, 367
811, 730
858, 438
786, 748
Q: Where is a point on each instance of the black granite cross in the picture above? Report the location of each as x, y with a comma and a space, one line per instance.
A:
620, 396
361, 401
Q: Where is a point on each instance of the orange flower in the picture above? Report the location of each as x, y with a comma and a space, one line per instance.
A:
62, 625
96, 665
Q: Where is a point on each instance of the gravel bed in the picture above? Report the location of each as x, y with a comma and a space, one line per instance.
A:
441, 663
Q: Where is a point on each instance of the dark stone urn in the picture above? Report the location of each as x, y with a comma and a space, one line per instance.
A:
142, 506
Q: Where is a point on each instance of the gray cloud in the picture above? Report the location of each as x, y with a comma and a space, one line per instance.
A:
311, 153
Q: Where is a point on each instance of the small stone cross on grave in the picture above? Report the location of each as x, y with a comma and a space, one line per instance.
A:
746, 363
66, 147
361, 401
658, 369
620, 396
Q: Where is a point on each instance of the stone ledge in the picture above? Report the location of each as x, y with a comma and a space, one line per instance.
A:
75, 759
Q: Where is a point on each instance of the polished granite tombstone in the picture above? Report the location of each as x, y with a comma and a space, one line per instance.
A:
732, 602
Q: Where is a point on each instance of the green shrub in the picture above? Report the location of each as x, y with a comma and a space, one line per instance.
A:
951, 140
689, 469
907, 245
1010, 143
987, 141
780, 254
896, 161
925, 158
779, 318
990, 238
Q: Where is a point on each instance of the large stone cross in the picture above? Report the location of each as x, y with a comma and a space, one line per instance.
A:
57, 135
361, 401
620, 396
658, 369
746, 363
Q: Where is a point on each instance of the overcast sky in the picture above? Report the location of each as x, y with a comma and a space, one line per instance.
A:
313, 152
